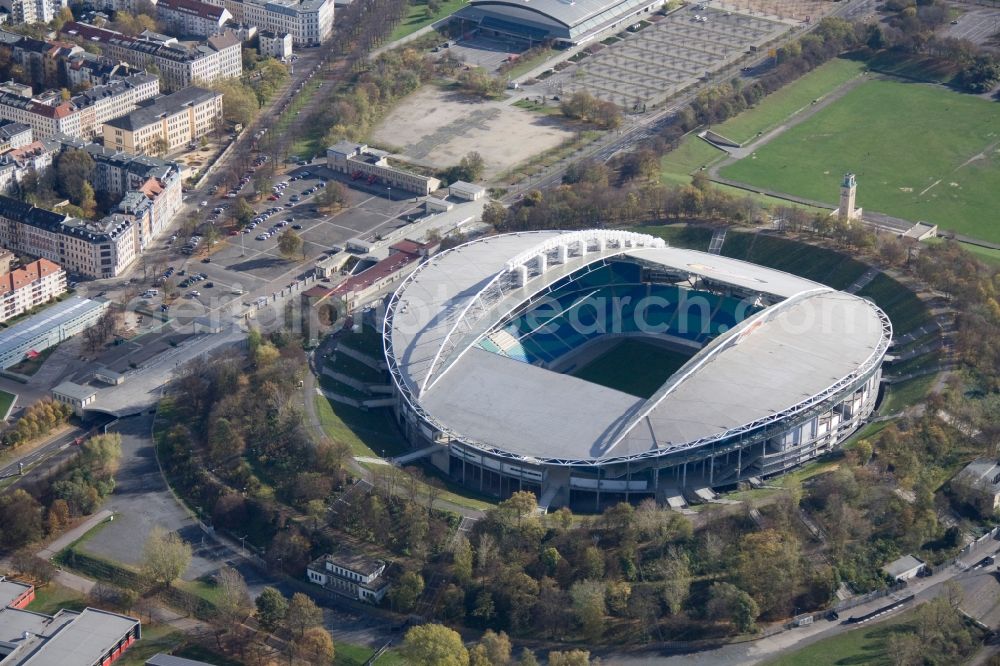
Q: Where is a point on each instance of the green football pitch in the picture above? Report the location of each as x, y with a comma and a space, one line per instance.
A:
633, 366
921, 152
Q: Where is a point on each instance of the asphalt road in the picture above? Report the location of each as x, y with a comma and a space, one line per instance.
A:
40, 454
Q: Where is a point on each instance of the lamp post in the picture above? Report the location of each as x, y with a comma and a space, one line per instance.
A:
389, 188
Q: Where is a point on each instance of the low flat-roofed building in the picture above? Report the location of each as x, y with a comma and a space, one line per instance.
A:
361, 162
30, 286
109, 376
67, 638
15, 593
48, 328
353, 576
467, 191
978, 484
77, 396
904, 568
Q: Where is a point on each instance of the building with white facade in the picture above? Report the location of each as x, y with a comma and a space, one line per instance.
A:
82, 115
308, 22
220, 57
276, 45
167, 123
192, 17
350, 575
13, 135
30, 286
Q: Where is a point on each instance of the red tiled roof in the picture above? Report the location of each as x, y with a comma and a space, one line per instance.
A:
24, 276
410, 246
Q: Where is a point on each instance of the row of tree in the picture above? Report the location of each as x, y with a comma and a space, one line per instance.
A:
37, 421
78, 490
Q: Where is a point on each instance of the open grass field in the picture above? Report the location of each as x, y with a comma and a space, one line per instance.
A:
417, 17
634, 367
681, 235
693, 153
6, 402
921, 152
356, 655
52, 596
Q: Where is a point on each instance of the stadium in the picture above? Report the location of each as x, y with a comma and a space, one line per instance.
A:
593, 367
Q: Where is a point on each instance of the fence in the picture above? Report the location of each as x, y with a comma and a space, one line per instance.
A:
865, 598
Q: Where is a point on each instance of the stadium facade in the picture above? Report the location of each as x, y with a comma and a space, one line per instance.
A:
482, 342
561, 22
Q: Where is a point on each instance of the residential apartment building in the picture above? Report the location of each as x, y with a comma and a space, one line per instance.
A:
89, 70
275, 45
192, 17
167, 123
32, 11
150, 188
13, 135
101, 249
220, 57
308, 22
83, 114
30, 286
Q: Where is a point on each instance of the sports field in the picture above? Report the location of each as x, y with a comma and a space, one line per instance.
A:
634, 367
920, 152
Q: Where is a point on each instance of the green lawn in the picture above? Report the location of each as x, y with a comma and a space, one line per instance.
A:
902, 395
694, 153
616, 367
809, 261
905, 310
525, 65
782, 104
155, 639
53, 596
356, 655
416, 16
6, 402
866, 645
368, 433
921, 152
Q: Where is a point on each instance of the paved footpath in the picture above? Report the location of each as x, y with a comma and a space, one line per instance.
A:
72, 535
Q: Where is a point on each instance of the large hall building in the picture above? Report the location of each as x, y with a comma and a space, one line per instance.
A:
562, 22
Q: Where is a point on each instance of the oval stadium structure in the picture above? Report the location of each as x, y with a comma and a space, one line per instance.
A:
593, 367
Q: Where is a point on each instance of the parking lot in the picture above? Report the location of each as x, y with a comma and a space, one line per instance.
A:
243, 267
976, 24
658, 61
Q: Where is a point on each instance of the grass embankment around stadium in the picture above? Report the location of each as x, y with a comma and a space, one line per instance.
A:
417, 16
921, 152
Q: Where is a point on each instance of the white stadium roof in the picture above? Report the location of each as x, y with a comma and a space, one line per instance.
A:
779, 361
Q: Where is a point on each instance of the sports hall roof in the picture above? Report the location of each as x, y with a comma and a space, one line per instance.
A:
772, 364
540, 19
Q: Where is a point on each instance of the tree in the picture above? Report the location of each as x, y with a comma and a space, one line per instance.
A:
589, 606
728, 602
239, 102
165, 557
333, 195
74, 169
461, 554
493, 650
569, 658
243, 212
233, 603
770, 568
434, 645
20, 519
407, 591
271, 608
315, 647
290, 244
473, 166
302, 614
